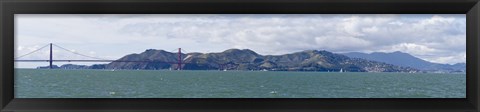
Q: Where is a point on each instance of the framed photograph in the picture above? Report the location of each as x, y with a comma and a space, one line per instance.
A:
222, 55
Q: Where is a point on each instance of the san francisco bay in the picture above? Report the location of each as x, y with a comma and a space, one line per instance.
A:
58, 83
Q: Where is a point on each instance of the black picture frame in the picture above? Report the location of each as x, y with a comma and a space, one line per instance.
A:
8, 8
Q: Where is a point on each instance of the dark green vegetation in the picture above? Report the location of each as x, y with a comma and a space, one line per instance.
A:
236, 59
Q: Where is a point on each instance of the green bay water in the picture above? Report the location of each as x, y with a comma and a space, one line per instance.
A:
44, 83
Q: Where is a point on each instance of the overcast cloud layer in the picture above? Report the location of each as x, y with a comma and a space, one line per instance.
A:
435, 38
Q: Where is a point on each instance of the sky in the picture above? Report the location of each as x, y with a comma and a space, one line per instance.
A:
439, 38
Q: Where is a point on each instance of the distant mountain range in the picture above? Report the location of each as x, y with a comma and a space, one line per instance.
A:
245, 59
407, 60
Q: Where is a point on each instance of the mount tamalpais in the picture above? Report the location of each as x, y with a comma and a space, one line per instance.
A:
404, 59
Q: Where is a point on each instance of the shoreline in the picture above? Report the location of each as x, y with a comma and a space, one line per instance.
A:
166, 70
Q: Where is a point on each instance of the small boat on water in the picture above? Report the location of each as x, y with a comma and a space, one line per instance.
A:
273, 92
341, 70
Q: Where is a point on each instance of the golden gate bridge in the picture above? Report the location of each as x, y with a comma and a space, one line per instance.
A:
96, 59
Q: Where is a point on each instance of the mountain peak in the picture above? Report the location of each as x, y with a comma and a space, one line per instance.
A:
240, 51
397, 52
402, 59
155, 50
318, 51
312, 51
232, 50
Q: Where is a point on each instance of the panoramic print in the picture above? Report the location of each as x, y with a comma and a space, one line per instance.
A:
240, 56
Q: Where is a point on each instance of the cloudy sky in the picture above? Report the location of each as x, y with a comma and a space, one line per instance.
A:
435, 38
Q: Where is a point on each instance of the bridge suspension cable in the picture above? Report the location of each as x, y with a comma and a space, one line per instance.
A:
176, 50
183, 50
32, 52
97, 59
78, 53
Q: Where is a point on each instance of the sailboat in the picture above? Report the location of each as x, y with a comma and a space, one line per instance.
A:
341, 70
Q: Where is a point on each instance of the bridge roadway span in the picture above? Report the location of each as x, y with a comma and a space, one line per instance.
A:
93, 61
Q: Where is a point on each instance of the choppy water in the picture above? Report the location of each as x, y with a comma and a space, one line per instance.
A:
33, 83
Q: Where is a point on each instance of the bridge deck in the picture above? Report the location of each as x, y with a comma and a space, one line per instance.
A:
91, 61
